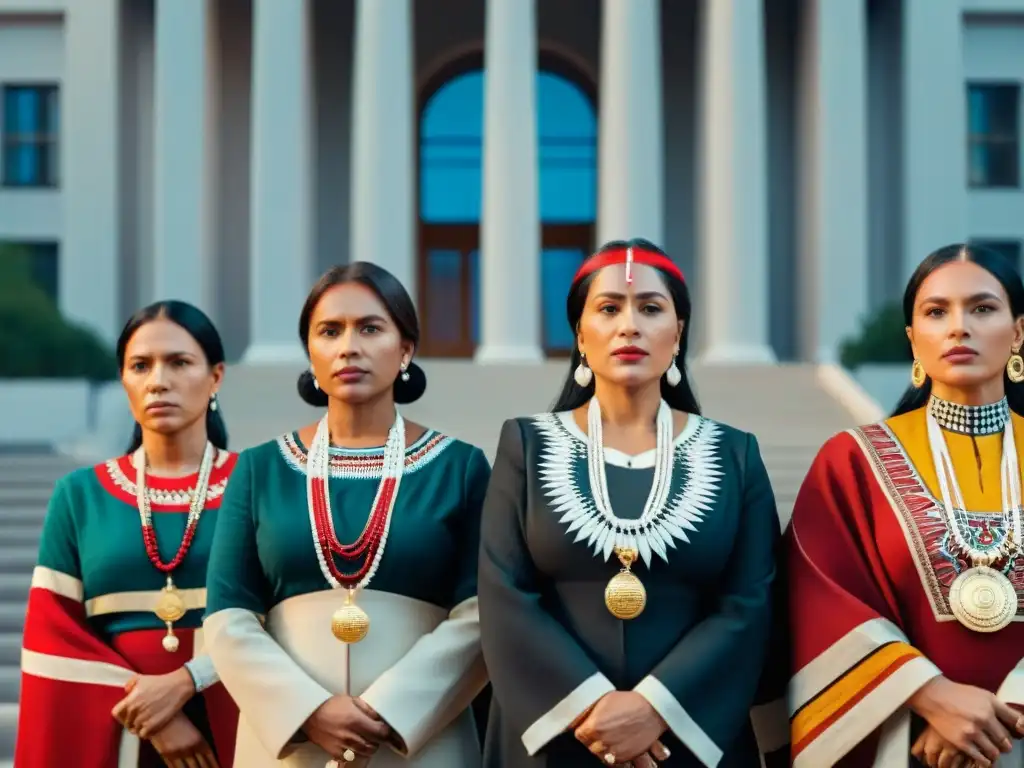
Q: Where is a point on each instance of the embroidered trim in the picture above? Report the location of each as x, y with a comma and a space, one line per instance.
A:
696, 481
970, 419
920, 516
165, 494
366, 464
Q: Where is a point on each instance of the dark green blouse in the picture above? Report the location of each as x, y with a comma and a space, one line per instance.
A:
92, 532
264, 554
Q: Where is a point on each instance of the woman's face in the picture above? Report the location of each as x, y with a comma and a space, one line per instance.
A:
167, 377
355, 348
629, 332
963, 330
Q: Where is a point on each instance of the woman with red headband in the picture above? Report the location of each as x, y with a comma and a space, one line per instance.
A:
628, 550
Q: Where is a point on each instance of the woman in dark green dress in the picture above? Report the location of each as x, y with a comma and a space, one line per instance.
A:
628, 552
342, 584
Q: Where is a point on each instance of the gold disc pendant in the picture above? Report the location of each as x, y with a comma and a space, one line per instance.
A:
983, 599
169, 609
350, 623
625, 595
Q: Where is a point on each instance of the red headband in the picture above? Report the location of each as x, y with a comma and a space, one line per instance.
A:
628, 256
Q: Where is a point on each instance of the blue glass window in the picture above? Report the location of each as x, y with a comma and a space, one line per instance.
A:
451, 192
451, 151
993, 135
31, 128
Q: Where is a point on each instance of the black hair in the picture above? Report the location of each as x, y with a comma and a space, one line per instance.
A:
200, 328
680, 397
399, 306
1003, 270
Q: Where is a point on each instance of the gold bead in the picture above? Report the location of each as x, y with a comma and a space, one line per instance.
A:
625, 596
350, 624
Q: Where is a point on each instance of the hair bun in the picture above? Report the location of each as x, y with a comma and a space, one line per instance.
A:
412, 390
308, 390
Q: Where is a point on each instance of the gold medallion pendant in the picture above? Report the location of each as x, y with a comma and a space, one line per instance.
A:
983, 599
169, 609
350, 623
625, 595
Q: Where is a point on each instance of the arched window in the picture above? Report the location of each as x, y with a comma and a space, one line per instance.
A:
450, 199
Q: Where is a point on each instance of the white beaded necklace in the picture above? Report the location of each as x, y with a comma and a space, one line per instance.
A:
318, 466
953, 501
629, 533
198, 501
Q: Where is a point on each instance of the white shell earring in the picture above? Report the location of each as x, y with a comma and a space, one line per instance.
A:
405, 372
583, 375
672, 375
213, 402
316, 384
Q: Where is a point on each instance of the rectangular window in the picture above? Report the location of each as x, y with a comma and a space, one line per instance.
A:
31, 134
1011, 249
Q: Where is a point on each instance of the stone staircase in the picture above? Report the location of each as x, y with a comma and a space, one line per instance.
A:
26, 481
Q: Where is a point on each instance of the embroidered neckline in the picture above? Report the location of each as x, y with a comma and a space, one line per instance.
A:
696, 482
975, 420
920, 518
165, 494
364, 463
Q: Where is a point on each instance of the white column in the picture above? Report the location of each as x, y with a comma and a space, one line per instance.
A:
631, 198
383, 158
90, 136
281, 187
510, 265
183, 267
934, 128
734, 216
833, 220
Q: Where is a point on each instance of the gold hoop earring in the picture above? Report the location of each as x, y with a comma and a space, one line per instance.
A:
1015, 367
917, 374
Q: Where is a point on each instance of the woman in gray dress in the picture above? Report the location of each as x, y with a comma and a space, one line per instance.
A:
628, 551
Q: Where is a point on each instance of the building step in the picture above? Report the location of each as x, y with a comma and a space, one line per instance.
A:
8, 730
10, 649
29, 496
10, 684
17, 559
23, 514
22, 535
14, 586
12, 618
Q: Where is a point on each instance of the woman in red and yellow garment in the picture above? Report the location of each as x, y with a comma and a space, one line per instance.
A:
112, 652
905, 560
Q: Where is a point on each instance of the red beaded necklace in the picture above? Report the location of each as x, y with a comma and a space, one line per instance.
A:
170, 607
350, 623
369, 546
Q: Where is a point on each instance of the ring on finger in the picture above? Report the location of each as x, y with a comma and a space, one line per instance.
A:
609, 757
348, 756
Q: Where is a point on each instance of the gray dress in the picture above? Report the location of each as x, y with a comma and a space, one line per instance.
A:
552, 648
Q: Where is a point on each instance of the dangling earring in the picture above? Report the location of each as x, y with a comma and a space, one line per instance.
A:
316, 384
583, 374
917, 374
672, 375
404, 375
213, 402
1015, 367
